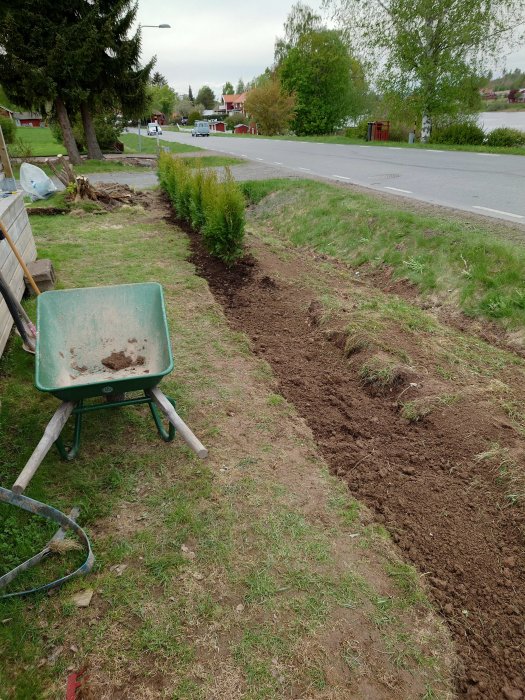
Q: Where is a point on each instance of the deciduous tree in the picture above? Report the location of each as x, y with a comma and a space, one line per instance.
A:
430, 51
206, 97
319, 70
271, 107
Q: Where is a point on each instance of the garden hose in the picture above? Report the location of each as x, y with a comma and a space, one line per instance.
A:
65, 522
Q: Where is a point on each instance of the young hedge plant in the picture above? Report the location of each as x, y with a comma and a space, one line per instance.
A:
212, 207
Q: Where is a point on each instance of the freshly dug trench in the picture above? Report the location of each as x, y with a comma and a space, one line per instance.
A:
443, 509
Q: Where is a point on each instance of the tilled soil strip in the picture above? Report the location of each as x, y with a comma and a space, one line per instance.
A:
421, 480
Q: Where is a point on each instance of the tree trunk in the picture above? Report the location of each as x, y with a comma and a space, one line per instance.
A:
426, 127
67, 132
93, 149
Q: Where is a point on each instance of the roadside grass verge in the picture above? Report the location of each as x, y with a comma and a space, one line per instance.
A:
347, 141
460, 263
92, 166
149, 144
234, 578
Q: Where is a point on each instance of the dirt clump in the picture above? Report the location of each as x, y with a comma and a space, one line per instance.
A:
416, 471
119, 360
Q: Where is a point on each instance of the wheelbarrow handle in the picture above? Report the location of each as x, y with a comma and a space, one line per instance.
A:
186, 434
51, 433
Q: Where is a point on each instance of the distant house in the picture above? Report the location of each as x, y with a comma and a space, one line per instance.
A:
241, 129
158, 117
487, 94
28, 118
233, 104
5, 112
218, 126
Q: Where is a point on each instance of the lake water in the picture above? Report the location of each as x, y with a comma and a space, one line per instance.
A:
493, 120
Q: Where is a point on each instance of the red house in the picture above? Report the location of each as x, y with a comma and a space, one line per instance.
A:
241, 129
233, 103
27, 118
218, 126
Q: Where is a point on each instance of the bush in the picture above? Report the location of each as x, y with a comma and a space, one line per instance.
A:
231, 122
505, 137
359, 131
399, 133
193, 117
463, 133
214, 208
223, 229
107, 130
8, 129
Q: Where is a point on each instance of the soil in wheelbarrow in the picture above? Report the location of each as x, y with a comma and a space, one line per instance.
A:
444, 508
119, 360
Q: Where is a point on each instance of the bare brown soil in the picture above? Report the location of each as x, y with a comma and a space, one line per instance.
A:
119, 360
443, 508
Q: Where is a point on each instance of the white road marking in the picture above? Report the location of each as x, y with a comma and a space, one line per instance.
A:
341, 177
490, 155
397, 189
498, 211
307, 170
259, 159
433, 150
243, 155
394, 148
276, 162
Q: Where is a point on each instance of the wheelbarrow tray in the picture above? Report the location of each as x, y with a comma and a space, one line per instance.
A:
78, 328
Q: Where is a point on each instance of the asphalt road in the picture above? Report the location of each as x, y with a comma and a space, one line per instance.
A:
487, 184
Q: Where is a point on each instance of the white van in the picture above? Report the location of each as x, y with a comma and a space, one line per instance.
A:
201, 129
154, 129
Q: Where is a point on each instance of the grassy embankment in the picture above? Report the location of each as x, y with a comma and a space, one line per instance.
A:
462, 264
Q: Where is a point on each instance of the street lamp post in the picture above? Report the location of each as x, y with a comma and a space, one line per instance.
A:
153, 26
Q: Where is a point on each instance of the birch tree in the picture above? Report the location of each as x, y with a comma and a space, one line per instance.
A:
430, 52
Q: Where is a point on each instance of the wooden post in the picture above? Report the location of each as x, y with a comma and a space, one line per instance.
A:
4, 157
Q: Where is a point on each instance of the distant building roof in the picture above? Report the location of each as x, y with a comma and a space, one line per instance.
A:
27, 115
234, 98
6, 109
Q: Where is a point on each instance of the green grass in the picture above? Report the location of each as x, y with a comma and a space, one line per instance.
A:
149, 144
197, 542
346, 141
466, 264
40, 141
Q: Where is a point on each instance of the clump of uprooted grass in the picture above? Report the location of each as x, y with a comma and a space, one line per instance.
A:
462, 262
212, 207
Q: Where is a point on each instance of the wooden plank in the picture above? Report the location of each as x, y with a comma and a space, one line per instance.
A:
20, 240
6, 322
14, 216
11, 208
4, 156
12, 266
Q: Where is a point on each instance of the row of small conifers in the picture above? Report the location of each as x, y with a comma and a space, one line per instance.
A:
214, 207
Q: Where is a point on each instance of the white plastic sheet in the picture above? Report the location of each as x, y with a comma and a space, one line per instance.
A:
35, 182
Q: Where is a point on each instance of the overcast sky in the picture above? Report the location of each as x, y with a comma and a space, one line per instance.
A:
212, 41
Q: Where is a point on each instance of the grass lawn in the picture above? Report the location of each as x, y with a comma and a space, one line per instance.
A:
149, 144
39, 141
247, 576
465, 265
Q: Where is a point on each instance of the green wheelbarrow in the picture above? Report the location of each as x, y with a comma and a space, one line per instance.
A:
102, 343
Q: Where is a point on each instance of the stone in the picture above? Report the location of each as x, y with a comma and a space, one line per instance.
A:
43, 273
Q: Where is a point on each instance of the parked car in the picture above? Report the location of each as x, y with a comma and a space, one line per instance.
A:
201, 129
154, 129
